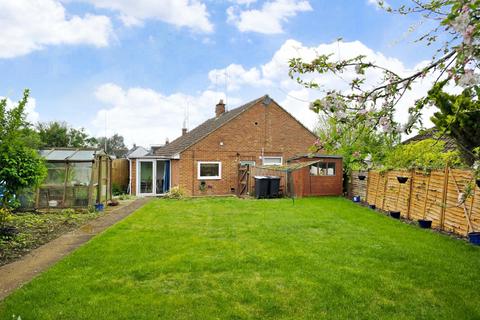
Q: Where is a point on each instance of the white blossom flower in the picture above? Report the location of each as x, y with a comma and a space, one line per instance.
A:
461, 22
468, 79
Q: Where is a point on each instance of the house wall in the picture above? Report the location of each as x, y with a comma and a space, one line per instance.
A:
268, 128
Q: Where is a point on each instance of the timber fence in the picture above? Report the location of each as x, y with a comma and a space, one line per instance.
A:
440, 196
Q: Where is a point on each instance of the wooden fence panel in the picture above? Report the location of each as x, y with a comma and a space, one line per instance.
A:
372, 186
359, 187
434, 196
120, 173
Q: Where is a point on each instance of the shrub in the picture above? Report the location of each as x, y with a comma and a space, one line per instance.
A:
5, 217
426, 154
175, 193
117, 189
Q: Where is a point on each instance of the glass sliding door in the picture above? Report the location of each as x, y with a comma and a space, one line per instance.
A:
160, 178
146, 177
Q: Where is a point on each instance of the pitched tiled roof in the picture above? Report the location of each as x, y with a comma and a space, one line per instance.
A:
183, 142
434, 133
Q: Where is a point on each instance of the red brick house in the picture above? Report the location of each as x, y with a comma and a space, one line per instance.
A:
205, 161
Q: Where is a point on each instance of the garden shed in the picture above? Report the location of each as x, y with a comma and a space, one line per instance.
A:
307, 175
75, 178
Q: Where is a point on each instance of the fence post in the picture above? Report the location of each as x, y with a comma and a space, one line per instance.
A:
385, 191
444, 197
368, 185
412, 174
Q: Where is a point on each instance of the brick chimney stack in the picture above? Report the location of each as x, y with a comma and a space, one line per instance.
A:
184, 131
220, 108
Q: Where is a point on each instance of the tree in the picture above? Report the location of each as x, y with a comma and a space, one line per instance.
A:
426, 154
355, 145
20, 164
454, 61
115, 145
60, 135
458, 116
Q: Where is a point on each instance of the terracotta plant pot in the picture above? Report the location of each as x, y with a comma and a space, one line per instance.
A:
361, 177
402, 179
425, 224
395, 214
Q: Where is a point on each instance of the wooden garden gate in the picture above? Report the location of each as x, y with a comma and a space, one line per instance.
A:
243, 180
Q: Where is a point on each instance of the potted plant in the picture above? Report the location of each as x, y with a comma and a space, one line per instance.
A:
474, 237
424, 223
395, 214
402, 179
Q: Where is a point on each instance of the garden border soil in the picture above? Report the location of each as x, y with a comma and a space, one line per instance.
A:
17, 273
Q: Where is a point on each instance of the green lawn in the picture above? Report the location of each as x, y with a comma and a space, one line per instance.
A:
243, 259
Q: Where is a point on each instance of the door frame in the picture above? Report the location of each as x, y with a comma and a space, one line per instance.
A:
154, 176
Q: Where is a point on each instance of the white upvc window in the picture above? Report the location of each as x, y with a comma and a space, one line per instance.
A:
209, 170
272, 161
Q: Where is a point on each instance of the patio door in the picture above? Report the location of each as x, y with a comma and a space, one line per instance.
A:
153, 177
146, 177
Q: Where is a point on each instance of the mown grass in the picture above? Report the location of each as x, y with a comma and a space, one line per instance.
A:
258, 259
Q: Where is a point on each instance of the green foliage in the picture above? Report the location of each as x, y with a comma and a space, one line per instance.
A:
459, 117
5, 217
60, 135
175, 193
20, 164
115, 145
354, 144
426, 154
117, 189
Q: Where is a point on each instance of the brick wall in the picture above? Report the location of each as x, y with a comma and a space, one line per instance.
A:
260, 127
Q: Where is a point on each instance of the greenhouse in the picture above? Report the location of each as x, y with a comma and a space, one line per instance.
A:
75, 178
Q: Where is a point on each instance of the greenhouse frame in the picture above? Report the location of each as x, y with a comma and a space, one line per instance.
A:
76, 178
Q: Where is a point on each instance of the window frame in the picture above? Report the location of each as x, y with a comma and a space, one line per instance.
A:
326, 163
199, 164
272, 157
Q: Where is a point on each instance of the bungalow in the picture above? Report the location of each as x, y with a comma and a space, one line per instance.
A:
206, 160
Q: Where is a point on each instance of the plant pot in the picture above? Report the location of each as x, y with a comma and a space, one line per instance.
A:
402, 179
372, 206
361, 177
395, 214
474, 237
356, 199
425, 224
8, 232
99, 207
478, 182
113, 203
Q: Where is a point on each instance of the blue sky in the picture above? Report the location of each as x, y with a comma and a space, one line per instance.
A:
143, 63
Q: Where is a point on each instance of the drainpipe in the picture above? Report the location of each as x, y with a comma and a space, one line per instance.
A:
129, 176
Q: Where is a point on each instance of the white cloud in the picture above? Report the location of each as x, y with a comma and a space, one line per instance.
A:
145, 116
27, 26
182, 13
236, 77
269, 18
32, 114
273, 77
